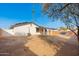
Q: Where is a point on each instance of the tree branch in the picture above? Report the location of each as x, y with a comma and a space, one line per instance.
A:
59, 10
76, 22
71, 30
74, 13
65, 6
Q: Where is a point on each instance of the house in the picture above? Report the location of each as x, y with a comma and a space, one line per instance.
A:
30, 28
27, 28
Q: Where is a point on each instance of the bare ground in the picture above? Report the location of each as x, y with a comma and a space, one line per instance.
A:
38, 45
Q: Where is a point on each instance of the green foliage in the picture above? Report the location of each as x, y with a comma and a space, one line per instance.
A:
68, 13
63, 28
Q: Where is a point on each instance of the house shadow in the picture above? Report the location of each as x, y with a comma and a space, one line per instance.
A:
63, 48
70, 48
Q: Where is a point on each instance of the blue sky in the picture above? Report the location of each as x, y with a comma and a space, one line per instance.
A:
14, 13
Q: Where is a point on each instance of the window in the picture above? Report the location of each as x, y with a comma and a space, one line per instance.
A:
45, 30
37, 29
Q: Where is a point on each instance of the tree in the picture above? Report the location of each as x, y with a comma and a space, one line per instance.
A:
66, 12
63, 28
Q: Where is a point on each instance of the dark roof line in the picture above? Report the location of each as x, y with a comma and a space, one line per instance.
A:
24, 23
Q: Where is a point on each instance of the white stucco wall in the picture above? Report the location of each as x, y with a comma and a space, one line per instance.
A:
25, 29
48, 32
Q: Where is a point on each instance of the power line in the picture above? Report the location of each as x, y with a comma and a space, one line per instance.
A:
33, 13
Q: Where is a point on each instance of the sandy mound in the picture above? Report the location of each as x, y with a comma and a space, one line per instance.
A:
40, 47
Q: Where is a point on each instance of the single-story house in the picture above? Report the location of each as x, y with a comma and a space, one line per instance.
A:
26, 28
30, 28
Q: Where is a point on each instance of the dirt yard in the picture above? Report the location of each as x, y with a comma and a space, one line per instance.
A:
38, 46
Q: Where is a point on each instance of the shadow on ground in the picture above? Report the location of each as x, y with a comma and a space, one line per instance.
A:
64, 47
14, 46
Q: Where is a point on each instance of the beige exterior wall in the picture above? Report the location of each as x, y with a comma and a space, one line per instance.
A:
55, 32
52, 32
